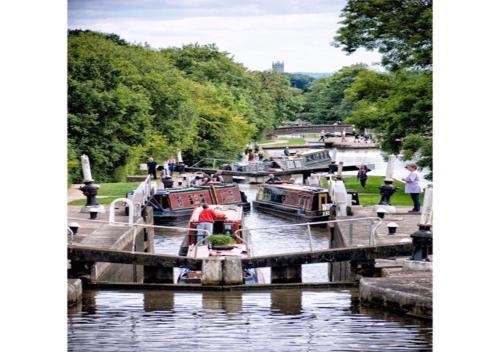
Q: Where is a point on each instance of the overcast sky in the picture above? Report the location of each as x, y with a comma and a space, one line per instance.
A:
255, 32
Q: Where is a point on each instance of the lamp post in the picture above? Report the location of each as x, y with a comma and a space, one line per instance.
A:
387, 189
89, 190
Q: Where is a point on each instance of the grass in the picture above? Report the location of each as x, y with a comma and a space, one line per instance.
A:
109, 192
370, 194
283, 141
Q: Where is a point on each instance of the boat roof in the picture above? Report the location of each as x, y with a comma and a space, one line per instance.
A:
193, 189
296, 187
234, 213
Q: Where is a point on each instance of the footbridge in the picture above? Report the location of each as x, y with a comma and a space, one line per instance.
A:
311, 129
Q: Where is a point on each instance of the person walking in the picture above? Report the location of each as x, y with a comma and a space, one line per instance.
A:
413, 187
171, 166
362, 175
152, 167
251, 156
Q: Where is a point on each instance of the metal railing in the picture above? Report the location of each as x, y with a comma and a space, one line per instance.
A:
371, 237
212, 160
137, 224
207, 234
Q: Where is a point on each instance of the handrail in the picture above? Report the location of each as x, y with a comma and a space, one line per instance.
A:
211, 159
308, 224
130, 210
139, 224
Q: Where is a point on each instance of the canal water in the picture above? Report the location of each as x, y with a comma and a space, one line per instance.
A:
279, 320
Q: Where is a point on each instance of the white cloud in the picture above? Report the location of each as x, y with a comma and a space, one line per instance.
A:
302, 41
284, 30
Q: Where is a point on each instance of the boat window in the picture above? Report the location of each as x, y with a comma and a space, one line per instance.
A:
202, 198
191, 201
180, 201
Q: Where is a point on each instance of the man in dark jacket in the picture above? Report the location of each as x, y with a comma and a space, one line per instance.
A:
152, 167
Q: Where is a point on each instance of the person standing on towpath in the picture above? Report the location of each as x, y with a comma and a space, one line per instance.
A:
412, 186
152, 167
362, 175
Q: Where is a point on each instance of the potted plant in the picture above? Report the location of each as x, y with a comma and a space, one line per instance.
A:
221, 241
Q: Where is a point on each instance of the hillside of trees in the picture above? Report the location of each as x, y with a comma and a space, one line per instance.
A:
396, 103
127, 102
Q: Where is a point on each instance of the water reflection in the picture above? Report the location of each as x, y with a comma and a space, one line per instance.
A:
158, 301
227, 302
288, 302
291, 320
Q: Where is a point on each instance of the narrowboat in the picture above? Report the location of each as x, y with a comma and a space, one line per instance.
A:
303, 160
229, 220
171, 205
305, 203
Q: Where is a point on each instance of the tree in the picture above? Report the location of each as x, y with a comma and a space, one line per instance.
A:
400, 29
324, 101
127, 102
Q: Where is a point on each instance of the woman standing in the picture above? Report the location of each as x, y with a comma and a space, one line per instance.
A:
412, 187
362, 175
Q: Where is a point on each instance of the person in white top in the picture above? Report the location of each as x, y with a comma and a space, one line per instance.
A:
412, 186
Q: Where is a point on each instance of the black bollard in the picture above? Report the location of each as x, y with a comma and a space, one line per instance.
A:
386, 191
422, 241
90, 191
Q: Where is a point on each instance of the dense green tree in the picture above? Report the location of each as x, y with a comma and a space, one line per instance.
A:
299, 80
127, 102
400, 29
398, 107
324, 101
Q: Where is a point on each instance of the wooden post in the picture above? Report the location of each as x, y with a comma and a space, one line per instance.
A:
158, 275
286, 274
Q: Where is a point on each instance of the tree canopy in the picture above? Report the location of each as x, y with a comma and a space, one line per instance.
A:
400, 29
127, 102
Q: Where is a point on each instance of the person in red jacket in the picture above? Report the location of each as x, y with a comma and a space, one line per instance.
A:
206, 221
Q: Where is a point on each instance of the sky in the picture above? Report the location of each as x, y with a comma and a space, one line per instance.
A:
254, 32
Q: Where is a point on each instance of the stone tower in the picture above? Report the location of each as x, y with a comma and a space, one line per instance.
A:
279, 67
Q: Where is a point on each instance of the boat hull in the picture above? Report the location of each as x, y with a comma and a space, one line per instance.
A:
288, 212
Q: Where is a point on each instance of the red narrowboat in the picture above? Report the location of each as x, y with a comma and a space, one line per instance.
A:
177, 204
198, 245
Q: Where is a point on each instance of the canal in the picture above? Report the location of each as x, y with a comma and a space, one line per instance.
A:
291, 320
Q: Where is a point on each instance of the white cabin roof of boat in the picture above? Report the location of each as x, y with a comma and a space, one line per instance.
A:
233, 212
297, 187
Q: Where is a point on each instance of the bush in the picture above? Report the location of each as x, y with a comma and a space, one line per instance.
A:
221, 240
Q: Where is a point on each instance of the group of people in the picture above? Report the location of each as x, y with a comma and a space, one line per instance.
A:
153, 166
412, 186
252, 154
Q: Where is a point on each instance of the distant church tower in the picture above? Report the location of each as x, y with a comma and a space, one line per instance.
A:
279, 67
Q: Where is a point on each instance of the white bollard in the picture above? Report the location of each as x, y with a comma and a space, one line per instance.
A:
179, 156
87, 176
426, 217
390, 167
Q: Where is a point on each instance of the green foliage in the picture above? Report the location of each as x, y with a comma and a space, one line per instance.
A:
398, 107
299, 80
221, 240
400, 29
324, 101
128, 102
370, 194
108, 192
